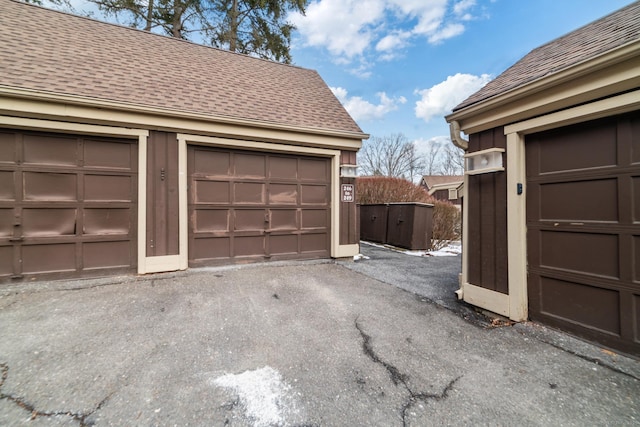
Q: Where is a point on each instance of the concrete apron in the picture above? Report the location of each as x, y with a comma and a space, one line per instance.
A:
300, 344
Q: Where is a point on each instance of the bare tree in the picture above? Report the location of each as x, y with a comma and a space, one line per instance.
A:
392, 155
452, 161
432, 160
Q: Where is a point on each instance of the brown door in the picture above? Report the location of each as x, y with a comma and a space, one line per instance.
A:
67, 205
255, 206
583, 219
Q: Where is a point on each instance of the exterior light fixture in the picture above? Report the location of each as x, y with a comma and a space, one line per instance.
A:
484, 161
348, 171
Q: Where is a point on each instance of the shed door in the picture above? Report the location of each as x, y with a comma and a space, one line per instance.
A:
257, 206
583, 219
67, 205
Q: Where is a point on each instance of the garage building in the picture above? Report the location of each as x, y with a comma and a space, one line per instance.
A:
552, 185
125, 151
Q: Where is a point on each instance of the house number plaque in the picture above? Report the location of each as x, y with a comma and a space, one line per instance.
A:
347, 193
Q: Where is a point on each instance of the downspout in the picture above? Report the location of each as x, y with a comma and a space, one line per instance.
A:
456, 138
458, 141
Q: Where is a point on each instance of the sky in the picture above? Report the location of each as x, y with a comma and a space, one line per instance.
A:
399, 66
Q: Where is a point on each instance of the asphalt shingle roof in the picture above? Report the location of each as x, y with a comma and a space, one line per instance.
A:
591, 40
51, 51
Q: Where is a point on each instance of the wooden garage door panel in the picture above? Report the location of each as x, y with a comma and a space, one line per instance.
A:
576, 148
574, 252
107, 154
67, 205
574, 200
48, 222
250, 205
635, 193
7, 185
50, 186
6, 222
567, 301
636, 261
40, 149
583, 233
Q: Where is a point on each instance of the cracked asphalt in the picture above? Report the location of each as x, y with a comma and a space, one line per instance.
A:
299, 344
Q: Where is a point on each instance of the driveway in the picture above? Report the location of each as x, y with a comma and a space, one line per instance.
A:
304, 344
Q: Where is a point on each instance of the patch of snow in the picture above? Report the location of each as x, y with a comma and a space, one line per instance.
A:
452, 249
359, 257
264, 395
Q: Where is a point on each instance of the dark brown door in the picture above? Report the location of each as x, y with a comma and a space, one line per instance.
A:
67, 205
254, 206
583, 219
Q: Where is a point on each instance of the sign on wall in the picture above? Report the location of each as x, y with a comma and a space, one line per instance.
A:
348, 193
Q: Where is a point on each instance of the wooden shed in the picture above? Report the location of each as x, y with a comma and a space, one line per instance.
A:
552, 185
127, 151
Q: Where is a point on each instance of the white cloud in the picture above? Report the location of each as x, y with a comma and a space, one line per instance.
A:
440, 99
351, 29
344, 27
363, 110
451, 30
461, 7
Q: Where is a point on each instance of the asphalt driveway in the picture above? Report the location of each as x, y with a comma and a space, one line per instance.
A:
305, 344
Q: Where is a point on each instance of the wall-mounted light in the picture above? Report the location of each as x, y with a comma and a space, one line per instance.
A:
348, 171
484, 161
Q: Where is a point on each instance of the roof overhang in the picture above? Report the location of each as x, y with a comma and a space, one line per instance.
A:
54, 106
613, 72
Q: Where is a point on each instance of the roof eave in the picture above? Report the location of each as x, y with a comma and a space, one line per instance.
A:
61, 98
530, 98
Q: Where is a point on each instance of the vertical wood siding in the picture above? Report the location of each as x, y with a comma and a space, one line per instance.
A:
487, 228
162, 194
349, 218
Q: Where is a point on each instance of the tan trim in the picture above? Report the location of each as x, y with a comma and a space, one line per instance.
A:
347, 251
176, 123
464, 277
159, 264
446, 186
183, 205
337, 250
485, 298
595, 110
142, 204
611, 73
134, 109
517, 233
76, 128
85, 129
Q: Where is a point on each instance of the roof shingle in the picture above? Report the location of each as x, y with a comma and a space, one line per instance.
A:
51, 51
589, 41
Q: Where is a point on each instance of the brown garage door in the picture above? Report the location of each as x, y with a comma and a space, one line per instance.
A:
583, 219
67, 205
255, 206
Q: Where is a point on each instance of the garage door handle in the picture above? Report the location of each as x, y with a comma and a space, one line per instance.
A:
267, 218
16, 239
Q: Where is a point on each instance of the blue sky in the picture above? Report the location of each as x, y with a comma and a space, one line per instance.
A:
399, 66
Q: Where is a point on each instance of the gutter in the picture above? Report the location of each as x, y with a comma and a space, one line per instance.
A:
456, 137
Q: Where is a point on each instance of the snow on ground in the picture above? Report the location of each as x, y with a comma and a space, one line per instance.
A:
264, 395
452, 249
